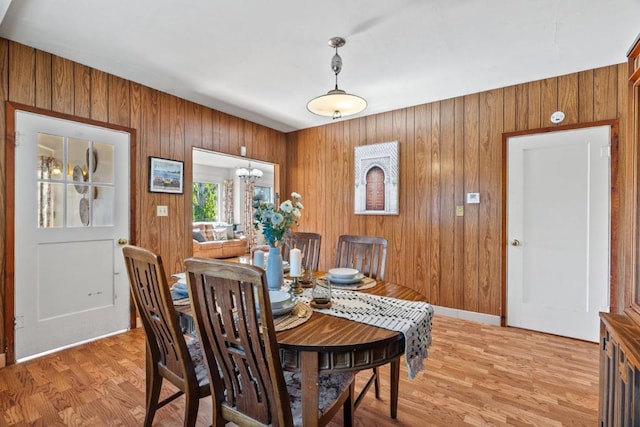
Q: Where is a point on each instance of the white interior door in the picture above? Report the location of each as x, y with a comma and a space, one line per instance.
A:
558, 231
71, 207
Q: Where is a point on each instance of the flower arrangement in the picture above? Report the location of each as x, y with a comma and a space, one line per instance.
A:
276, 221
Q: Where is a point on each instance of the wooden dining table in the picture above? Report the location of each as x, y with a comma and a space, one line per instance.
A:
326, 343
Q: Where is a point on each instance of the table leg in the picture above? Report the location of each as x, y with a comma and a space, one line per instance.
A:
309, 374
395, 380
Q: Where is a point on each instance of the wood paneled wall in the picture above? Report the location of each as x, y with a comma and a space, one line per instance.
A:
166, 126
447, 148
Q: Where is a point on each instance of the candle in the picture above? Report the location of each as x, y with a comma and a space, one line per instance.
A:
258, 259
295, 261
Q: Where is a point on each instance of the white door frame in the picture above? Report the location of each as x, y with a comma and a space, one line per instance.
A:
614, 203
9, 191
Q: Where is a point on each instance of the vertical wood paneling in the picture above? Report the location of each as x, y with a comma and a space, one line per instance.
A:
459, 238
43, 80
585, 96
423, 184
22, 62
605, 84
62, 92
534, 112
471, 214
522, 107
82, 91
435, 204
99, 95
549, 100
509, 115
118, 105
568, 98
490, 227
409, 186
447, 201
398, 241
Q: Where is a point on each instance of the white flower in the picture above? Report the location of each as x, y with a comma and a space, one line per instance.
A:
286, 206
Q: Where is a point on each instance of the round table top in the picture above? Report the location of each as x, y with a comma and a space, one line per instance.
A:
323, 331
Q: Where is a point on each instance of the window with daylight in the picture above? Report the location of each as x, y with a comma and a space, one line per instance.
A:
206, 201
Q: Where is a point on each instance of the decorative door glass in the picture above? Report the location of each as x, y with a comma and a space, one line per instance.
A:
75, 182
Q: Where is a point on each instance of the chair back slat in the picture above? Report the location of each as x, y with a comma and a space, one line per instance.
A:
367, 254
309, 245
152, 296
233, 317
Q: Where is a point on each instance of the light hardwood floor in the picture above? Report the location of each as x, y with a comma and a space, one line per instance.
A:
476, 375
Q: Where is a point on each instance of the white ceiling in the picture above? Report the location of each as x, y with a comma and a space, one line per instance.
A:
263, 60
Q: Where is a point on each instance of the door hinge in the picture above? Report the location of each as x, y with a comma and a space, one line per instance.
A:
18, 322
17, 138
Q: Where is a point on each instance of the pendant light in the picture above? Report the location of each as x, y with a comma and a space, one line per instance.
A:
336, 103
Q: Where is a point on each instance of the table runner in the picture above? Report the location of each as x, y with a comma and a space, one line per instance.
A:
412, 318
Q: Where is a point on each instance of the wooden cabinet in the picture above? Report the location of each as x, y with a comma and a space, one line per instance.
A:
620, 333
619, 371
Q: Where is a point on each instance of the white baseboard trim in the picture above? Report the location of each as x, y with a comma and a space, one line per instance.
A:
488, 319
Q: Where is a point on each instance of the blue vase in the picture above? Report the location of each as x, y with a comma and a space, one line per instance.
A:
275, 273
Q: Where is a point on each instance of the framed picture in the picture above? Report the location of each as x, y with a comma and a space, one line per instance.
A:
166, 176
376, 179
263, 192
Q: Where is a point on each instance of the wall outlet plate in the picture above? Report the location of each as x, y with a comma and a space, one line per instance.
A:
162, 210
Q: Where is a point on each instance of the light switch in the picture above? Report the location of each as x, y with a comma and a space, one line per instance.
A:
459, 210
162, 210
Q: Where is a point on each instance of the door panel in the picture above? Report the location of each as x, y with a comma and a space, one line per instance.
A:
71, 207
558, 231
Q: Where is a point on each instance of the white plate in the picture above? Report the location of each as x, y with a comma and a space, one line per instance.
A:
284, 309
345, 273
279, 299
345, 280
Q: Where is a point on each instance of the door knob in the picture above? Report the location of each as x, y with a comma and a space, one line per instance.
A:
515, 242
122, 241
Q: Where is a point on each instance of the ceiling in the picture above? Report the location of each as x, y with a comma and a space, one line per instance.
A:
263, 61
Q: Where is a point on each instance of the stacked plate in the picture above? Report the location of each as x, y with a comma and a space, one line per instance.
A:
344, 276
281, 302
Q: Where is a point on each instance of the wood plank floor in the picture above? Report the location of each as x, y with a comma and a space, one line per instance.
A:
477, 375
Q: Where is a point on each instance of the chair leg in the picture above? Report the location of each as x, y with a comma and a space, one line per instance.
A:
154, 384
348, 409
192, 401
376, 381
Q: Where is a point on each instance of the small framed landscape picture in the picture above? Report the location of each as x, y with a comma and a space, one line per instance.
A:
166, 176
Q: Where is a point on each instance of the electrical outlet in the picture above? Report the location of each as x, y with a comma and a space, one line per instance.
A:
162, 211
459, 210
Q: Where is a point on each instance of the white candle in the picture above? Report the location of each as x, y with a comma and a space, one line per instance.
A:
295, 261
258, 259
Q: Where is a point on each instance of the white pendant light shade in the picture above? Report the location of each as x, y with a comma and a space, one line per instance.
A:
336, 103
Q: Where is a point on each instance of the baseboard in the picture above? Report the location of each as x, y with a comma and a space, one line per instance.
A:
473, 316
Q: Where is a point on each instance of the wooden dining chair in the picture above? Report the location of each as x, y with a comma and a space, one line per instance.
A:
368, 255
170, 355
309, 245
231, 305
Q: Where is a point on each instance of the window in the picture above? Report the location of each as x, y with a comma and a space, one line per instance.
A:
206, 201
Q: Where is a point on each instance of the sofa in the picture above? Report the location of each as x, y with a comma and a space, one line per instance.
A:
217, 240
